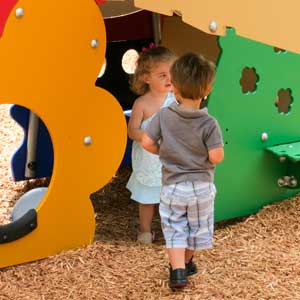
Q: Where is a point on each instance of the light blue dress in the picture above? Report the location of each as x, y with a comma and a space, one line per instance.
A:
145, 180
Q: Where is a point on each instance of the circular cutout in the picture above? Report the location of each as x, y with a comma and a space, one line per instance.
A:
103, 68
129, 60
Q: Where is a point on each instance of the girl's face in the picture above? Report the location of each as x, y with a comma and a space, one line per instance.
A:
159, 79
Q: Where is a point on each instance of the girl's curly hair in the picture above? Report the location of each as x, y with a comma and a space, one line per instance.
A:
144, 65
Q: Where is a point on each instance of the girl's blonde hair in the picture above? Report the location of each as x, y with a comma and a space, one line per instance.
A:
144, 65
192, 74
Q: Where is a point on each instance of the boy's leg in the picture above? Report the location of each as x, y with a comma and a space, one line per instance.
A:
174, 227
146, 212
176, 257
190, 266
201, 217
179, 257
178, 275
172, 210
188, 255
200, 221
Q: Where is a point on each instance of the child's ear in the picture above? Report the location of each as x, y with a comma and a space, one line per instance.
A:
208, 90
145, 78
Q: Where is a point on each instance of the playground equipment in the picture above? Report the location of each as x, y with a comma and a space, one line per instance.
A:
34, 157
255, 96
58, 54
265, 21
56, 48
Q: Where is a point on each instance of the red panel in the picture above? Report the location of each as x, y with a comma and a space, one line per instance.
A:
131, 27
99, 2
6, 7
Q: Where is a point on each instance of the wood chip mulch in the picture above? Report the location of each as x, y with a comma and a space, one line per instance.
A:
255, 257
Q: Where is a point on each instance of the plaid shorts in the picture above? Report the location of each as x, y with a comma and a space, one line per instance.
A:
187, 214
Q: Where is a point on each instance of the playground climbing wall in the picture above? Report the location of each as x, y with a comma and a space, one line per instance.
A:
255, 95
57, 49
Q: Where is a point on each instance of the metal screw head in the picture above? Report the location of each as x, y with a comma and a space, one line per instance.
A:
281, 182
32, 165
213, 26
87, 140
4, 237
19, 12
264, 136
282, 158
94, 43
293, 182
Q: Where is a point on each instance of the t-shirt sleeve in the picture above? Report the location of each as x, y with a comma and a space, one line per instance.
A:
153, 129
214, 137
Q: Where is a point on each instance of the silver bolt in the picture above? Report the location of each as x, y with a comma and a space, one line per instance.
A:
281, 182
282, 158
19, 12
87, 140
264, 136
288, 181
94, 43
293, 182
213, 26
4, 237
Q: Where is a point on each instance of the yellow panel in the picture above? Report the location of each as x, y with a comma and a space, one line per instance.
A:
181, 37
118, 8
49, 66
272, 22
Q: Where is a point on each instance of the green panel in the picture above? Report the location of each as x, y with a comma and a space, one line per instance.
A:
290, 151
247, 178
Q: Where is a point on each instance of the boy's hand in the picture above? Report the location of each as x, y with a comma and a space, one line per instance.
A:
148, 144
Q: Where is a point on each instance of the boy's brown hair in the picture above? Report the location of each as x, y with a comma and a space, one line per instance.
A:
146, 61
191, 74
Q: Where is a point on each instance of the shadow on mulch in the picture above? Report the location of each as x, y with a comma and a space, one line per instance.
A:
116, 214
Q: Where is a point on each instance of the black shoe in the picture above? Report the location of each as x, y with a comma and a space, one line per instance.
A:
177, 278
191, 268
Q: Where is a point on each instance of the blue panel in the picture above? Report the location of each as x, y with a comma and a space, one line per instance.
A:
44, 156
127, 156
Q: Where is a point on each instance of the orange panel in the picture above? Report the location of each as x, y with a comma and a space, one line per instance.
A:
50, 55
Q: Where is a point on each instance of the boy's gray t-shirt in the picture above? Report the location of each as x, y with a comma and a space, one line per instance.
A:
185, 137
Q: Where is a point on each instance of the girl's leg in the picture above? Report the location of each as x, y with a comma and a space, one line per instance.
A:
146, 212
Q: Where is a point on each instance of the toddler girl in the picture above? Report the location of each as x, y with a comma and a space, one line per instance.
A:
151, 81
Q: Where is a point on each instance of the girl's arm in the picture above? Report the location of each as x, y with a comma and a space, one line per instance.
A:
135, 121
216, 155
148, 144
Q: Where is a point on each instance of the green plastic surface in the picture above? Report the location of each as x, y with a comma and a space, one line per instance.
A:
290, 151
247, 178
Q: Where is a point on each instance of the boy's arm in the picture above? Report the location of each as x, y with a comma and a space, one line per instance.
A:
149, 144
214, 143
151, 135
216, 155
